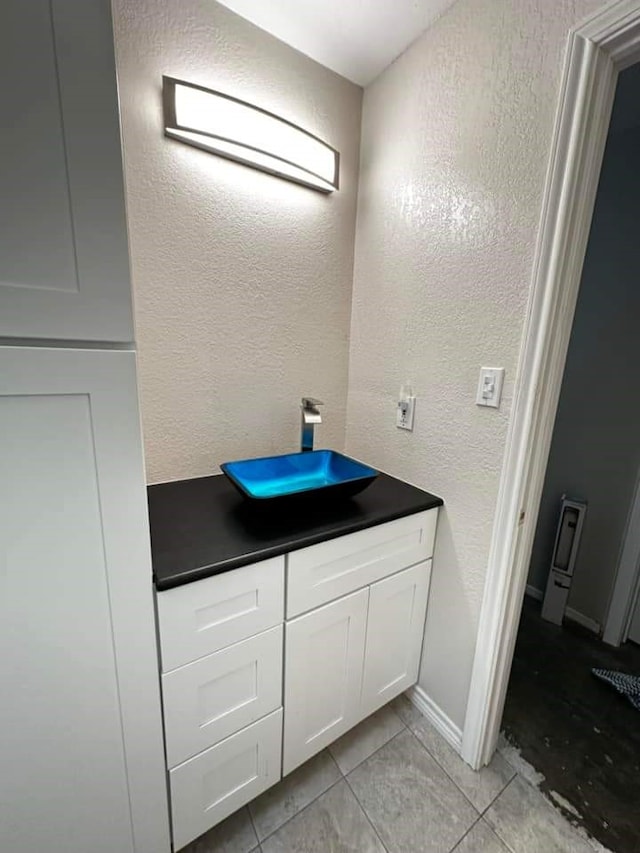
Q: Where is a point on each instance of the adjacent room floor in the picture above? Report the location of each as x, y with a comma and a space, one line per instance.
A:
393, 784
581, 735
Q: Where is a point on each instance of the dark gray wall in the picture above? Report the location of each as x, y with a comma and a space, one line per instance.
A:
595, 454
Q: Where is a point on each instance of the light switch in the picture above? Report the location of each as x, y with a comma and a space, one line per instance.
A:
490, 386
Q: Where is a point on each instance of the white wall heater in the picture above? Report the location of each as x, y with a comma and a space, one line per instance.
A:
572, 515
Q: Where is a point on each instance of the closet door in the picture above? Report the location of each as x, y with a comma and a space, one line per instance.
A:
80, 720
64, 270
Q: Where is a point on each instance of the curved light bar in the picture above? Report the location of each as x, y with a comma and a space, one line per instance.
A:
239, 131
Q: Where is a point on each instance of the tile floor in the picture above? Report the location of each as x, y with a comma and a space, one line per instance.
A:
393, 784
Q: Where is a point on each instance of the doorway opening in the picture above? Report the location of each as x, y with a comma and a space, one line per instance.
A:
576, 730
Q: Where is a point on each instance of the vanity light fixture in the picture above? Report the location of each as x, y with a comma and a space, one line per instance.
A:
238, 130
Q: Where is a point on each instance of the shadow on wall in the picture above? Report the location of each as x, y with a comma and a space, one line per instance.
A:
437, 678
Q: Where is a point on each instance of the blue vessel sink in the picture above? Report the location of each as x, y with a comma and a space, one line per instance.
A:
315, 472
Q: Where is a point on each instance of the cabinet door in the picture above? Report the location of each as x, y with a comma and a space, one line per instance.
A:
64, 269
395, 628
80, 720
214, 784
323, 676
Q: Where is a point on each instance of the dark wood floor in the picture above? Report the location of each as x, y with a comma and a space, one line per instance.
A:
575, 730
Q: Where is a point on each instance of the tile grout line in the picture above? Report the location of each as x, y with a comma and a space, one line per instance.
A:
500, 792
447, 774
341, 778
375, 752
460, 840
494, 829
365, 813
482, 812
310, 803
253, 826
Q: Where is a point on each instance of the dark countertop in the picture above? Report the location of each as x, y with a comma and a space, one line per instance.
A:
203, 526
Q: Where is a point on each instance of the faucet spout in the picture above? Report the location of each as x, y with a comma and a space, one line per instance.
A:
310, 417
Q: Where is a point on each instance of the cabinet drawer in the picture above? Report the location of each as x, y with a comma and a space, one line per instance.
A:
204, 616
208, 788
323, 572
206, 701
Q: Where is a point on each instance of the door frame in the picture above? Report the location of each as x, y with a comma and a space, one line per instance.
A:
597, 50
625, 588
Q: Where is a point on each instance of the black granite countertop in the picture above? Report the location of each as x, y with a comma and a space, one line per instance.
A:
203, 526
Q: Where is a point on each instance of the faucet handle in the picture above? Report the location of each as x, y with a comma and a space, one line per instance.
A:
311, 403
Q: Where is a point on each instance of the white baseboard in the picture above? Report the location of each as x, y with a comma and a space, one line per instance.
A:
583, 620
534, 592
436, 716
570, 613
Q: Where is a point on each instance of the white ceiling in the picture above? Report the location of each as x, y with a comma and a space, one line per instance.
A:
356, 38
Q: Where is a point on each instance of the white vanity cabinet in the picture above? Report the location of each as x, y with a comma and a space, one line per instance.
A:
241, 707
346, 659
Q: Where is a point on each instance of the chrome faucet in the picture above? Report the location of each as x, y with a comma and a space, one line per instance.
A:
310, 417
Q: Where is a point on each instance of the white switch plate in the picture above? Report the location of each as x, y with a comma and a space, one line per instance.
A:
405, 412
490, 386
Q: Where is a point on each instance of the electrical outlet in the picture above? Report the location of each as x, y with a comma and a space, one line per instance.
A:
405, 412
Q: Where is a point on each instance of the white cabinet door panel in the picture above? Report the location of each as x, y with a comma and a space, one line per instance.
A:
321, 573
395, 627
200, 618
206, 701
80, 719
64, 267
323, 676
209, 787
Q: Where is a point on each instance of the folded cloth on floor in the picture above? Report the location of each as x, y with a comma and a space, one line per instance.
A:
628, 685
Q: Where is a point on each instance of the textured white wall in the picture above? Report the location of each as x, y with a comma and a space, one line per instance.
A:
595, 453
242, 281
455, 143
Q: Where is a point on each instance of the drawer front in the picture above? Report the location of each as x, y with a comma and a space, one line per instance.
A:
206, 701
321, 573
205, 616
208, 788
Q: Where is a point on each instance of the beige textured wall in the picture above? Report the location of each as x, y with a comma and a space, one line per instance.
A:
242, 282
455, 143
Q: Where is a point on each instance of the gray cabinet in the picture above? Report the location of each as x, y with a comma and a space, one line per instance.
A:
64, 269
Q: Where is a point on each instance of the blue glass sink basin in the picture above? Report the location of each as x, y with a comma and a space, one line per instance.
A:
315, 472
